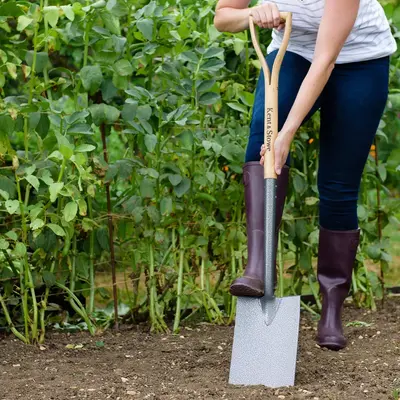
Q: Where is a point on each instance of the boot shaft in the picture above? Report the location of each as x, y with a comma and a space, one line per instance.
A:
336, 256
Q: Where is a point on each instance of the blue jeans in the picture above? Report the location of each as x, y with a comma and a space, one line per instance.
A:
351, 105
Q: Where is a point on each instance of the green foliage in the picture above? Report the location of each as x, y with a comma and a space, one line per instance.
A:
171, 97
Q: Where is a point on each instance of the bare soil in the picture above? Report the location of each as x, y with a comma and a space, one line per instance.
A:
134, 364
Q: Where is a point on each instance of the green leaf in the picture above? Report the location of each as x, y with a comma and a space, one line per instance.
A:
216, 147
111, 23
12, 206
55, 189
12, 70
166, 206
12, 235
396, 16
7, 124
85, 148
117, 8
207, 144
42, 60
91, 77
52, 15
2, 80
23, 22
382, 172
20, 250
238, 107
147, 188
213, 65
182, 188
82, 207
209, 98
80, 129
299, 184
103, 113
4, 194
57, 229
43, 126
33, 181
374, 252
10, 9
150, 141
301, 229
247, 98
103, 238
310, 201
34, 118
189, 56
69, 12
144, 112
213, 52
210, 176
145, 26
37, 224
129, 111
70, 211
4, 244
49, 278
204, 86
362, 212
238, 45
123, 68
305, 261
175, 179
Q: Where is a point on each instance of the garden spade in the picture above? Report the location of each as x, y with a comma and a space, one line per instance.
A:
267, 328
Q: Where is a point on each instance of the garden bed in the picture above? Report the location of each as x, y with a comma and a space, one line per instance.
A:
134, 364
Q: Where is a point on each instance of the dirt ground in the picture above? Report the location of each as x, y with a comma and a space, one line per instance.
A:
134, 364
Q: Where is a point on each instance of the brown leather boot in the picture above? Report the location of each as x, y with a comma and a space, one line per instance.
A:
336, 256
252, 282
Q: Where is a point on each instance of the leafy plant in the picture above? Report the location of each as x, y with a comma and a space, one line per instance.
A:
123, 126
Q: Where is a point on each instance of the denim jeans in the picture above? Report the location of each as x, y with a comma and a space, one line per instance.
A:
351, 106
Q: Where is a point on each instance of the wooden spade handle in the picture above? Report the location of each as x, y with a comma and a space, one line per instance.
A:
271, 93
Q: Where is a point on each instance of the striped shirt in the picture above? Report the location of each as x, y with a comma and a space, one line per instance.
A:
370, 37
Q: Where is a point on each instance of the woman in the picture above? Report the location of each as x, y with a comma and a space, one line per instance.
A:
337, 61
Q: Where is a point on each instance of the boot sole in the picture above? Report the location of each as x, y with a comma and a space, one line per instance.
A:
331, 346
243, 290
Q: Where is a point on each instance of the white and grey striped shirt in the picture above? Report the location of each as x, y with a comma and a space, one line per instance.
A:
370, 37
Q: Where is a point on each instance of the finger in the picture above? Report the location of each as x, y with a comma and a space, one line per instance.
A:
256, 17
262, 161
263, 17
276, 16
270, 19
281, 26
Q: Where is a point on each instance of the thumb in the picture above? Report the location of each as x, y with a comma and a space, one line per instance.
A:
278, 162
278, 166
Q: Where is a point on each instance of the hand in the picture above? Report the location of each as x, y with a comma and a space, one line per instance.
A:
282, 148
267, 15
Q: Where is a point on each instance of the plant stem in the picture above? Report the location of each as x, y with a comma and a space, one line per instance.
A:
72, 275
27, 276
78, 307
46, 49
379, 221
10, 263
110, 229
10, 323
91, 260
233, 276
180, 282
157, 323
44, 301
